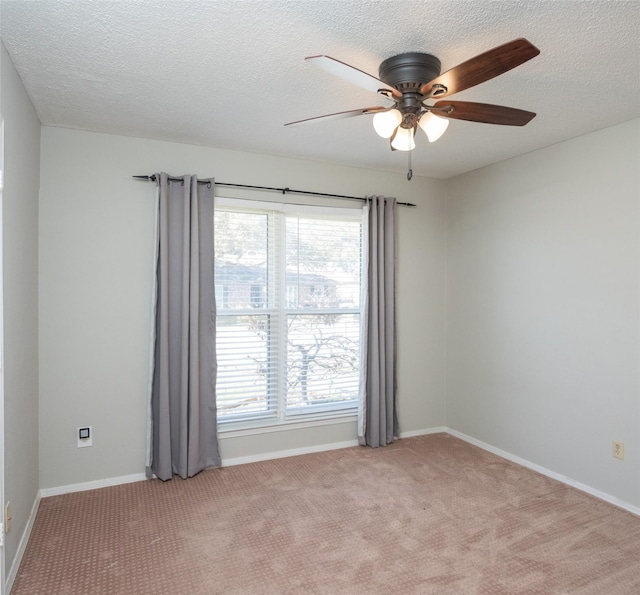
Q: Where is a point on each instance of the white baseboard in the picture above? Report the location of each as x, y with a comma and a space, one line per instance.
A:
292, 452
229, 462
413, 433
92, 485
22, 546
113, 481
544, 471
280, 454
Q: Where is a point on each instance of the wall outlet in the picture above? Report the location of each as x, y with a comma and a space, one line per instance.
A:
618, 449
85, 436
7, 517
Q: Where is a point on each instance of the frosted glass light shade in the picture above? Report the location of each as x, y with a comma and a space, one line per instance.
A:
433, 126
385, 123
403, 140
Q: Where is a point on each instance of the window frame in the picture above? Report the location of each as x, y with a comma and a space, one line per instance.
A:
282, 417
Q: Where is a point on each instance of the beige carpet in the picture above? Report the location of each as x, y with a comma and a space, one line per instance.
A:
424, 515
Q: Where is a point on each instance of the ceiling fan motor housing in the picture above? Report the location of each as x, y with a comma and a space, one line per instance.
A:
408, 72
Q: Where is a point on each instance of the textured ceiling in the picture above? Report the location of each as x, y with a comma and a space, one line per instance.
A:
230, 73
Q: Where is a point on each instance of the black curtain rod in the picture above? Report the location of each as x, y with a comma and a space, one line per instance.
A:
152, 178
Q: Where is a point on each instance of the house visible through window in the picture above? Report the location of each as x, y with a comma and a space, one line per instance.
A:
288, 291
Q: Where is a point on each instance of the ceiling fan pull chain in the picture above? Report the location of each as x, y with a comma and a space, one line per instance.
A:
410, 172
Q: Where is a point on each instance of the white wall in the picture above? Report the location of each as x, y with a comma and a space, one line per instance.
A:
543, 308
20, 284
95, 278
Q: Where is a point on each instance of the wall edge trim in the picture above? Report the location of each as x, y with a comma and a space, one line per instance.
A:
412, 433
92, 485
547, 472
290, 452
22, 545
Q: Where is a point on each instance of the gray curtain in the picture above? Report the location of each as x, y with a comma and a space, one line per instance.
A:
378, 421
183, 399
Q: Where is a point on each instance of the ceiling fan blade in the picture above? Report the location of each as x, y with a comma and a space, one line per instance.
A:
483, 67
341, 115
352, 74
483, 112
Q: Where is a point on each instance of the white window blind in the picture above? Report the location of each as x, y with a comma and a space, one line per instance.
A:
288, 293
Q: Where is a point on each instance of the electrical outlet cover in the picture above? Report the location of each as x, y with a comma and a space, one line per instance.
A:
618, 449
85, 436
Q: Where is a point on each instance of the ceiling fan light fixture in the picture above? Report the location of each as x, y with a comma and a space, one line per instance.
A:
433, 126
413, 78
385, 123
403, 139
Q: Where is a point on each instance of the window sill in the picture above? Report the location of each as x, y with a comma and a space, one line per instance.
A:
238, 429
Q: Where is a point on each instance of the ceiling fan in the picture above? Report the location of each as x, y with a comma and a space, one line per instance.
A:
413, 79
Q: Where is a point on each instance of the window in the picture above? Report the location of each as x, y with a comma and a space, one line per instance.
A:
288, 285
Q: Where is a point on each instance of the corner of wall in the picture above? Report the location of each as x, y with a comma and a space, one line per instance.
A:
20, 214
